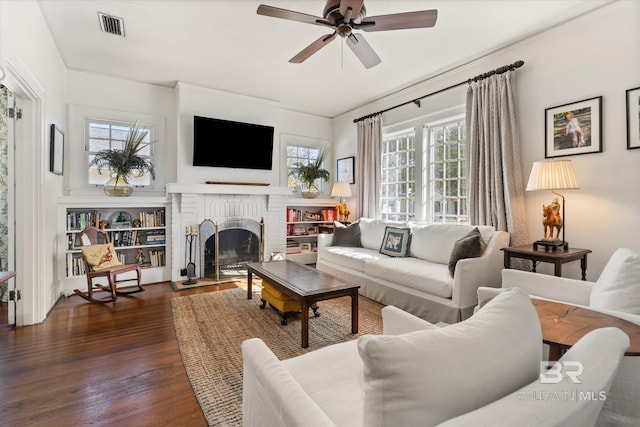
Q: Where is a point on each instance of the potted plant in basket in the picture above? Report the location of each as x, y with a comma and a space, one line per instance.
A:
124, 163
309, 173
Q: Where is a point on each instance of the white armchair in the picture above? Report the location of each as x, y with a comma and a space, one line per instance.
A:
428, 375
616, 292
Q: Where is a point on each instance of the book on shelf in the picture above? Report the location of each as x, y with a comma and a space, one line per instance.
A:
152, 219
82, 220
156, 258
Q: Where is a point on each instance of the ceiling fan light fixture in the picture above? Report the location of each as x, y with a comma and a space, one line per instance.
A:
346, 15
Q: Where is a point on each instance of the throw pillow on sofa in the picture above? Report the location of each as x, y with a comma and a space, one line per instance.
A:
396, 241
424, 378
470, 246
618, 287
346, 235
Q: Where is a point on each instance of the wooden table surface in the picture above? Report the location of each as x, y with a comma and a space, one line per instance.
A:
305, 285
564, 324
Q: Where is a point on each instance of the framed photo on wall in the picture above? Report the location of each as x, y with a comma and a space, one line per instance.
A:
633, 118
574, 128
56, 150
345, 170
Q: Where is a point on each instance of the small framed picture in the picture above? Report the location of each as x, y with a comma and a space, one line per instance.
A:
633, 118
56, 150
345, 170
305, 247
574, 128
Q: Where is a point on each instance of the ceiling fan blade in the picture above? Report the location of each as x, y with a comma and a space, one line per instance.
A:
363, 50
399, 21
276, 12
312, 48
355, 6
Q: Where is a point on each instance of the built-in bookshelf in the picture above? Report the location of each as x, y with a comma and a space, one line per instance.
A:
306, 219
137, 230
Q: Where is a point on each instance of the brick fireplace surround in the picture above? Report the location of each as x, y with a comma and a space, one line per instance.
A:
193, 203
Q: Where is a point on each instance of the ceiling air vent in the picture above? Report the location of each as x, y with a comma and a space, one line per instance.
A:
111, 24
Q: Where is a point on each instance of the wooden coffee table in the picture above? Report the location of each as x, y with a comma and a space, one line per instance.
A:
307, 286
563, 325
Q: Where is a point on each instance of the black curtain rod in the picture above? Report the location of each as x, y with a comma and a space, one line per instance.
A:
416, 101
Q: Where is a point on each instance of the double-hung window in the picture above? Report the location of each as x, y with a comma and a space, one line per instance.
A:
447, 168
106, 134
398, 198
300, 155
424, 173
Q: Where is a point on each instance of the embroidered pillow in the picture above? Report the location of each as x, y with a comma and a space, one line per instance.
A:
470, 246
395, 241
100, 257
348, 236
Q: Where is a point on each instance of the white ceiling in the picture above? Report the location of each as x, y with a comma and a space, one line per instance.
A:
225, 45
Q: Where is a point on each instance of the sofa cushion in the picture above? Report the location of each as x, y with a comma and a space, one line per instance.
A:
332, 377
618, 287
395, 242
413, 273
470, 246
348, 236
424, 378
372, 231
354, 258
434, 242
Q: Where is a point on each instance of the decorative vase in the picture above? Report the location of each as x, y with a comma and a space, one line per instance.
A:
118, 187
312, 192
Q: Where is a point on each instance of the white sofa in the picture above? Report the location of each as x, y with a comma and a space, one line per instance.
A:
483, 370
616, 292
420, 283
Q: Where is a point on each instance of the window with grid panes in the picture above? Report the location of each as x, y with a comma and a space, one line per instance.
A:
398, 201
105, 134
448, 184
296, 156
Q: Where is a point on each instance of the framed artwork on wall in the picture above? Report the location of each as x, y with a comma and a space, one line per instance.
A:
574, 128
345, 170
56, 150
633, 118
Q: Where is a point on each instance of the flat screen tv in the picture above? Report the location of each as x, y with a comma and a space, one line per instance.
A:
227, 144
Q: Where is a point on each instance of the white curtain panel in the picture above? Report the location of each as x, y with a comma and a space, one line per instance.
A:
368, 159
496, 190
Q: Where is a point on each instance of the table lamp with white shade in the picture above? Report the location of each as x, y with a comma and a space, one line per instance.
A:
552, 175
342, 190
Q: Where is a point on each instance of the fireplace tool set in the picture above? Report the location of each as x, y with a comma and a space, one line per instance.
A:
190, 237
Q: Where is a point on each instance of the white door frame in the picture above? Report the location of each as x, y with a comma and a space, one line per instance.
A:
29, 209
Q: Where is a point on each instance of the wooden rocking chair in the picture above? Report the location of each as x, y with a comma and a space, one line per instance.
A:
103, 262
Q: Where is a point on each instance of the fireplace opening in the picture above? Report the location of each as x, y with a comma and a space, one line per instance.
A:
228, 247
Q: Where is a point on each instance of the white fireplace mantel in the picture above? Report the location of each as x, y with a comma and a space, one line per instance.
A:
226, 189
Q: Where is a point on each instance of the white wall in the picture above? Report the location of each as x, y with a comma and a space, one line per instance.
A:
194, 100
595, 55
104, 97
28, 49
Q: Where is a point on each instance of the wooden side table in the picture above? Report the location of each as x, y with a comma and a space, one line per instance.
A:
557, 257
563, 325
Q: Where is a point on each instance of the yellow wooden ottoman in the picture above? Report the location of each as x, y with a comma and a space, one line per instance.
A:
281, 302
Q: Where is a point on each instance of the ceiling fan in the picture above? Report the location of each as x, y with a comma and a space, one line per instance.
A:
344, 16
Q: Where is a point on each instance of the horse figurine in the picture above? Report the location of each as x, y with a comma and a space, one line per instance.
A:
551, 220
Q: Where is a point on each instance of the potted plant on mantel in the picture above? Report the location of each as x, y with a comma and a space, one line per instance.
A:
309, 173
124, 163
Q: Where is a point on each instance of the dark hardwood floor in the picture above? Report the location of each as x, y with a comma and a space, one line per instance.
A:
92, 364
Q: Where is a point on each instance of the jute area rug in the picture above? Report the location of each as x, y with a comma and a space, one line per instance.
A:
210, 328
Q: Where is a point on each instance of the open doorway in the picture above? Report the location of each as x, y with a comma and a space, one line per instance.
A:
7, 116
